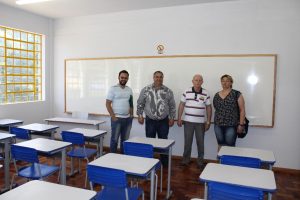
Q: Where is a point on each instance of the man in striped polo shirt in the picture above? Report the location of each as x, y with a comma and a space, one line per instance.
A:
195, 102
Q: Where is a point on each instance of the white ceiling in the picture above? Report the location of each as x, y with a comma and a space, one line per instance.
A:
72, 8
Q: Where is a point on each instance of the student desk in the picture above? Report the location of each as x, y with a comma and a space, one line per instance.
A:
40, 128
132, 165
243, 176
159, 145
49, 147
92, 135
57, 120
264, 155
6, 138
9, 122
47, 191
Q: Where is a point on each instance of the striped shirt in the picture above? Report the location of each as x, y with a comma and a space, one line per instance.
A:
195, 105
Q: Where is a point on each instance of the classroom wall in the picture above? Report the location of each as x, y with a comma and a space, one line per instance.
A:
237, 27
16, 18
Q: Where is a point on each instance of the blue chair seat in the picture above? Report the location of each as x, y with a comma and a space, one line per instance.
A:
240, 161
114, 184
33, 172
20, 133
109, 193
82, 153
221, 191
78, 148
144, 150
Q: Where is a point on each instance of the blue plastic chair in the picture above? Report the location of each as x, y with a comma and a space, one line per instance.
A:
143, 150
33, 171
20, 133
114, 184
78, 148
221, 191
240, 161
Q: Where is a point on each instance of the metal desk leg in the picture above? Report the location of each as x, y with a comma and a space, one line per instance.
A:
169, 191
205, 190
101, 146
72, 167
63, 167
269, 196
152, 184
52, 134
6, 163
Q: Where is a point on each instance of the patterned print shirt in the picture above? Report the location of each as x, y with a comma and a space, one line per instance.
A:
156, 103
227, 110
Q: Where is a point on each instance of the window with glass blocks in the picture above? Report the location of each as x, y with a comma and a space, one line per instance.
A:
20, 66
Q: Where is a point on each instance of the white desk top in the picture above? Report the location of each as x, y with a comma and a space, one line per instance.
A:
44, 145
155, 142
263, 155
4, 136
47, 191
242, 176
91, 133
75, 120
39, 127
130, 164
5, 122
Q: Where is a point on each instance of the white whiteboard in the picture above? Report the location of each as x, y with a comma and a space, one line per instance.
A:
87, 80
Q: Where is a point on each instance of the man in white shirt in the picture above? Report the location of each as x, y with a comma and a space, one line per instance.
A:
195, 102
119, 104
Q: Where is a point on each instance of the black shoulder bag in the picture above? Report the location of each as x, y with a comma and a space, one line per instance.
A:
246, 125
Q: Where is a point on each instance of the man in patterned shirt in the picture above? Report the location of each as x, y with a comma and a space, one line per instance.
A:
157, 101
195, 102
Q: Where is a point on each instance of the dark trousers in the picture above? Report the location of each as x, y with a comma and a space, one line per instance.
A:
161, 128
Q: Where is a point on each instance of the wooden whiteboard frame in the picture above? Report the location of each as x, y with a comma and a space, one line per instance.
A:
274, 56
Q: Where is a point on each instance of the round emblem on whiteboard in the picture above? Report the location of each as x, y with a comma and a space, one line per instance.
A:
160, 49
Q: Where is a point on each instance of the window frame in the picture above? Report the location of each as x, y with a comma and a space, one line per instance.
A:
21, 66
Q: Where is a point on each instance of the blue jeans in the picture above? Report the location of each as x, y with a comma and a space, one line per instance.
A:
120, 127
226, 135
161, 128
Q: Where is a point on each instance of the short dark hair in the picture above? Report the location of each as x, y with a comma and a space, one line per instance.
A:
158, 72
123, 72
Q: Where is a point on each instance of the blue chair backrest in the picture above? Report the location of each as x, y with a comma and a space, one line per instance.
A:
138, 149
24, 154
107, 176
74, 138
240, 161
20, 133
221, 191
